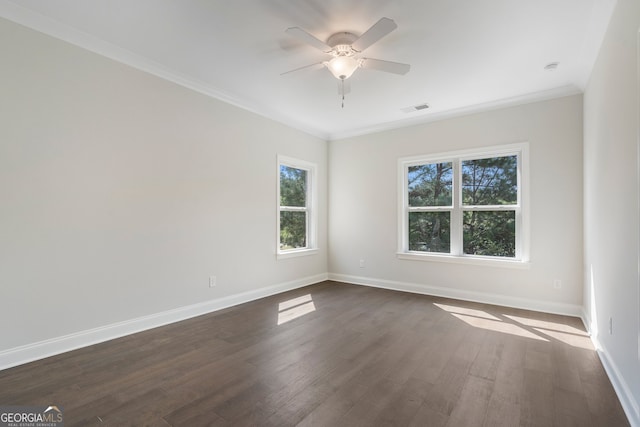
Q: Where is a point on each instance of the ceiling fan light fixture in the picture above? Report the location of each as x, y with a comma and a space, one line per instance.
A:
342, 67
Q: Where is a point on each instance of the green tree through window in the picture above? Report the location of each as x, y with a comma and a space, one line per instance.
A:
468, 204
429, 186
485, 183
293, 208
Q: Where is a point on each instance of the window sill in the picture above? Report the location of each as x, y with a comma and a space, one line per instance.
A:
469, 260
297, 253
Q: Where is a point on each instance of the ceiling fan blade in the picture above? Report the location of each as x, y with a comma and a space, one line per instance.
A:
387, 66
344, 87
380, 29
311, 66
302, 35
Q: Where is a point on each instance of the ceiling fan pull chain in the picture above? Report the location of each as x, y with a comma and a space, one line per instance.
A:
342, 93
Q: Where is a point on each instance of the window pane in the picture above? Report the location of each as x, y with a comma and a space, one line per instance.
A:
429, 231
430, 184
293, 186
490, 233
491, 181
293, 230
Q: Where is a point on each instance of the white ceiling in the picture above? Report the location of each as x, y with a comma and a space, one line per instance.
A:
465, 55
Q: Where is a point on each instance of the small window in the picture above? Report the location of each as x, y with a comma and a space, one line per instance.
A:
296, 207
465, 205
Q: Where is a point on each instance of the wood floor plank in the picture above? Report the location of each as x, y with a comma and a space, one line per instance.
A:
506, 395
336, 405
569, 408
603, 411
566, 374
403, 407
369, 407
489, 357
428, 417
441, 348
501, 413
362, 356
416, 350
471, 408
295, 409
536, 408
443, 397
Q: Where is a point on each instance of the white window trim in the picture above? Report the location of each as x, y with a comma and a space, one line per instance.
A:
311, 208
521, 259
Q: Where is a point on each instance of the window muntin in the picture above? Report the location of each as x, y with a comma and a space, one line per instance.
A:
464, 204
296, 201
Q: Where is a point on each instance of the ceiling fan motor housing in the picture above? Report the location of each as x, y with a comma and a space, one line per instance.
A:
341, 43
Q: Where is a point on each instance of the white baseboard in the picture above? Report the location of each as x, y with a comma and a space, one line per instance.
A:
630, 405
586, 320
51, 347
481, 297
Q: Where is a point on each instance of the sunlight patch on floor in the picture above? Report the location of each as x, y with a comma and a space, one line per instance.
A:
552, 326
295, 308
561, 332
498, 326
571, 339
466, 311
537, 329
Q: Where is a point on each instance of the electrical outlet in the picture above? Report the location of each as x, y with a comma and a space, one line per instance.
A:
610, 325
212, 281
557, 284
361, 263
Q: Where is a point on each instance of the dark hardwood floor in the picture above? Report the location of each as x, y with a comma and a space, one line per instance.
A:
333, 355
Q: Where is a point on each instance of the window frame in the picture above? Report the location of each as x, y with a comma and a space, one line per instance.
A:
310, 207
457, 209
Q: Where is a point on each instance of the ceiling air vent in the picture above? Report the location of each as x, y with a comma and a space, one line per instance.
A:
415, 108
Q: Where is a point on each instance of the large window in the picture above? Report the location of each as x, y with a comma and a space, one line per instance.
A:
296, 207
464, 205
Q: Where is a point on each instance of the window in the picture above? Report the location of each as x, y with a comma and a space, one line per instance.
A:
296, 207
464, 206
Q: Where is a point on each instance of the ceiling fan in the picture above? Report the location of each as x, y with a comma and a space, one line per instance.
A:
346, 47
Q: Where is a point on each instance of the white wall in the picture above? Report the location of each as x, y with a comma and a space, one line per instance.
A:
363, 206
611, 127
121, 193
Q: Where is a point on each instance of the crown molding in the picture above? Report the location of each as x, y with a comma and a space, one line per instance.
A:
43, 24
429, 117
